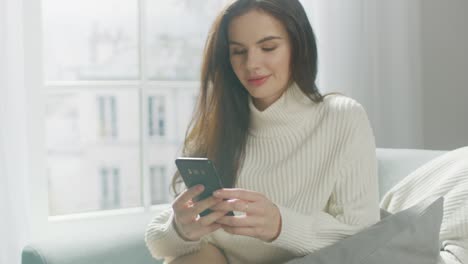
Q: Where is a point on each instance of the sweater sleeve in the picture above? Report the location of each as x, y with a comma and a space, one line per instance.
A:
163, 241
353, 204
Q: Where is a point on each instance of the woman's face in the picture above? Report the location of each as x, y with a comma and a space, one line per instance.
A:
260, 53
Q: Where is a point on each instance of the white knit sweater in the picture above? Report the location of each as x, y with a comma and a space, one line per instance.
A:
316, 162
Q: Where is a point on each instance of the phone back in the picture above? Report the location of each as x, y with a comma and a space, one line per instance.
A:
199, 171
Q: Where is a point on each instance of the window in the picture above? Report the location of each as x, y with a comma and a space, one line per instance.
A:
120, 78
86, 128
159, 185
156, 116
110, 188
107, 117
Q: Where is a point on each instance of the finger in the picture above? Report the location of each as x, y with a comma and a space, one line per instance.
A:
198, 207
240, 206
238, 193
181, 201
202, 205
226, 205
185, 218
190, 214
244, 231
240, 221
210, 218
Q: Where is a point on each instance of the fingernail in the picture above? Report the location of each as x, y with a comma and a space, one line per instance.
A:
217, 193
200, 187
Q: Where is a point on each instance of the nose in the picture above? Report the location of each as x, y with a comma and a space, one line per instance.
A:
253, 60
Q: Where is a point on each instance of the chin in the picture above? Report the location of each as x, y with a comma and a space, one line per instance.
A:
257, 94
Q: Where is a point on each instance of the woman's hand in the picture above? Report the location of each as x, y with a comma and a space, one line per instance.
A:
187, 223
262, 218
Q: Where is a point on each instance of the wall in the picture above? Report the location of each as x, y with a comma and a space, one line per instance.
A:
444, 37
370, 51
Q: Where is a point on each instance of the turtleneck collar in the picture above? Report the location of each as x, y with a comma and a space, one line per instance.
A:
284, 116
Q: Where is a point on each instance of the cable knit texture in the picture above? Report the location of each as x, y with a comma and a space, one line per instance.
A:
315, 161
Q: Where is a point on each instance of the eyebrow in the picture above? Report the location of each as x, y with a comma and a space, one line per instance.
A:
258, 42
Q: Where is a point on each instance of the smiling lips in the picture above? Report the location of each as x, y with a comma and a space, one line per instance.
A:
257, 81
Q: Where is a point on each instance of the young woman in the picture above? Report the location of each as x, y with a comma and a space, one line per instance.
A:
299, 167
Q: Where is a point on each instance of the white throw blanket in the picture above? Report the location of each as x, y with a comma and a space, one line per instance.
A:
446, 175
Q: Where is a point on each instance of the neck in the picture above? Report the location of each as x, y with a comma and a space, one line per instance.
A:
262, 104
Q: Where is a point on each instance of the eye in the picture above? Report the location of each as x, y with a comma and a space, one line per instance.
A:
269, 49
238, 52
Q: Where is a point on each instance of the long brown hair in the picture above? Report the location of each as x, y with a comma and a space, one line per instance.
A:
219, 127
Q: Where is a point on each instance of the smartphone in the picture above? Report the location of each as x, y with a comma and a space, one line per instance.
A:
200, 171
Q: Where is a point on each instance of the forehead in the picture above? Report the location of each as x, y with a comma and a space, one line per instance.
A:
253, 26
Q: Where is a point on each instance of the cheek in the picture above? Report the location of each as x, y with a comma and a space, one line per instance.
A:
236, 66
280, 68
280, 65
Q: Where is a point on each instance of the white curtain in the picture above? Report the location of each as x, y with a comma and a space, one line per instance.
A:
14, 200
370, 50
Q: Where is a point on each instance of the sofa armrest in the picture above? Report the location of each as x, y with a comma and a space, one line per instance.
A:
395, 164
111, 245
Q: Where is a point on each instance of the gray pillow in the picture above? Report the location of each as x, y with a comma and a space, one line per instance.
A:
384, 213
408, 236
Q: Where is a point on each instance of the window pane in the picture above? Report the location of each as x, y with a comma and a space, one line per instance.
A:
167, 114
176, 33
159, 184
93, 158
90, 40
